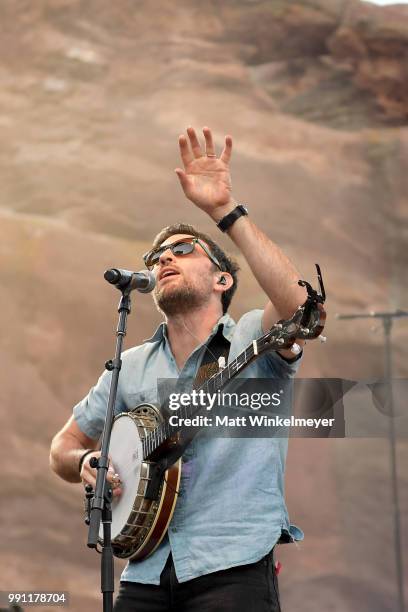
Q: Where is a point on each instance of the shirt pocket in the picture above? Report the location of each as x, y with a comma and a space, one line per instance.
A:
144, 396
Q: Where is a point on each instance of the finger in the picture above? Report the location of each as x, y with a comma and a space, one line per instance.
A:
226, 153
184, 182
195, 145
209, 144
114, 479
116, 484
185, 153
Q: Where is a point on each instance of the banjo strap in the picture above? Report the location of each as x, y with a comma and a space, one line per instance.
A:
218, 347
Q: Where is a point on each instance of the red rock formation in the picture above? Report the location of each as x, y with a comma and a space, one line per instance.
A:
373, 43
93, 95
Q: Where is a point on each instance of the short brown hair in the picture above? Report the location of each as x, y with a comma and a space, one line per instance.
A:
226, 262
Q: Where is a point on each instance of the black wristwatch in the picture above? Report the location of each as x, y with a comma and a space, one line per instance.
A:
228, 220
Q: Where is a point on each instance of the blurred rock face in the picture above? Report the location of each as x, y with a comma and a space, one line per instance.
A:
93, 96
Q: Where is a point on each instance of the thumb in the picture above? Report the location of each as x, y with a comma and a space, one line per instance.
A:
182, 177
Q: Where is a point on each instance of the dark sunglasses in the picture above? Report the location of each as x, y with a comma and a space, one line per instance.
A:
181, 247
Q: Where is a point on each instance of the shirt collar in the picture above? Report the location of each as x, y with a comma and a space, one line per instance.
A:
225, 323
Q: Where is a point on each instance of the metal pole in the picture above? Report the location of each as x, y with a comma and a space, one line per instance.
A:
387, 320
387, 324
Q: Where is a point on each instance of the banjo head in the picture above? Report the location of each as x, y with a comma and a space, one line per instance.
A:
127, 454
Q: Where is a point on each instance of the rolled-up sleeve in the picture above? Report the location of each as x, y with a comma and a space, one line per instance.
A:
90, 412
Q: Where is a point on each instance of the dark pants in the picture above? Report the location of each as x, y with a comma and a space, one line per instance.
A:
246, 588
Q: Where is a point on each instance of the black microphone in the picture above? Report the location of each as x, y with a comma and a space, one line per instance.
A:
144, 281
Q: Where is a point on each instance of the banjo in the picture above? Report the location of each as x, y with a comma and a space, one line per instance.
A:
146, 450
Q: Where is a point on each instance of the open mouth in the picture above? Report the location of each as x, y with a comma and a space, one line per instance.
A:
168, 274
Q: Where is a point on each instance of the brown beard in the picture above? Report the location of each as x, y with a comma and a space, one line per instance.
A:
180, 300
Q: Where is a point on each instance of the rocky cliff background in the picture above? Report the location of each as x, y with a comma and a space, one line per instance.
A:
92, 98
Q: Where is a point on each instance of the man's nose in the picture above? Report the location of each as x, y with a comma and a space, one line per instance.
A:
166, 256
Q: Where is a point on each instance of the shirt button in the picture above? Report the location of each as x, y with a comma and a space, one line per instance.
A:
174, 529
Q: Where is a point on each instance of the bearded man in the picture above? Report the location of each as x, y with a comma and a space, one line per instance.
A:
218, 551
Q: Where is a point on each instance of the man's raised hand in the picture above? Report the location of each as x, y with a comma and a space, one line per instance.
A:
206, 179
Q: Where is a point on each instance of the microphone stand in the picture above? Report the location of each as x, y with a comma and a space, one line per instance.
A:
99, 502
387, 319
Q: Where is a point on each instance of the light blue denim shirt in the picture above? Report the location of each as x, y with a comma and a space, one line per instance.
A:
231, 509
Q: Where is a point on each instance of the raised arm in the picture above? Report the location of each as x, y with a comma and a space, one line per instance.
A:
206, 182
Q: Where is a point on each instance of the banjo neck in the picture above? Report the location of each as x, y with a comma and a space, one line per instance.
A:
306, 323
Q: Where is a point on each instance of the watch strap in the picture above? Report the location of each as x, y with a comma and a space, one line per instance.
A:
228, 220
83, 457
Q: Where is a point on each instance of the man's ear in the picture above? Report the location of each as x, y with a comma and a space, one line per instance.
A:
223, 281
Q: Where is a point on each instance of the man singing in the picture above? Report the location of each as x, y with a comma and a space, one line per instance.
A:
230, 514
